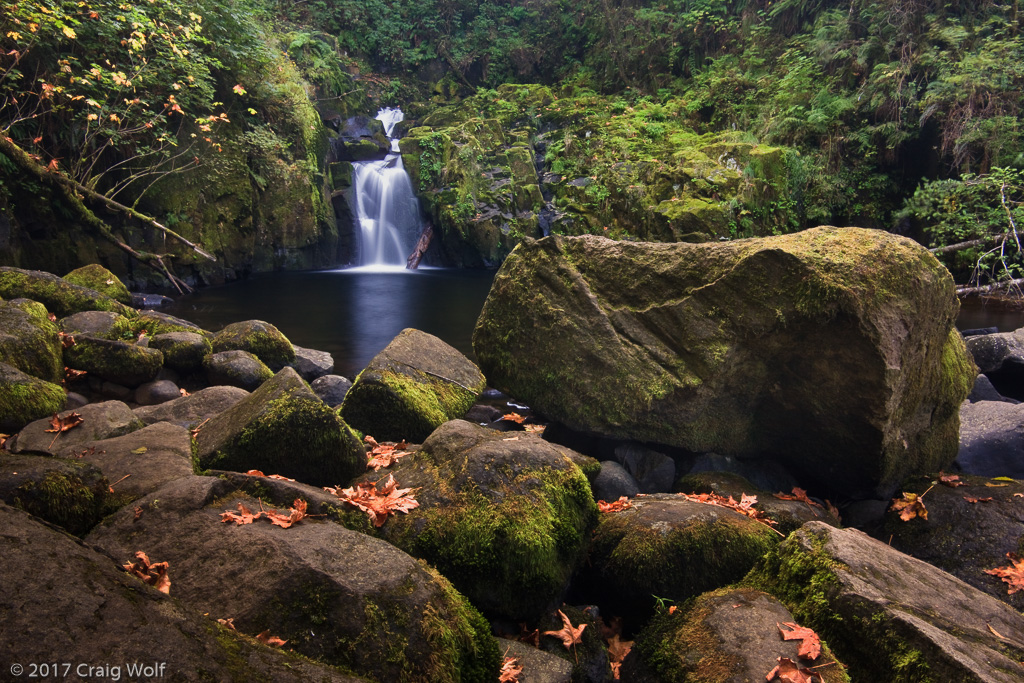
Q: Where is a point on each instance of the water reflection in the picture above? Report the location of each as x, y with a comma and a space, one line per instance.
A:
351, 313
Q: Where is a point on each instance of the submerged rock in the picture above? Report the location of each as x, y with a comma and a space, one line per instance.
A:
334, 594
416, 384
282, 428
888, 616
832, 350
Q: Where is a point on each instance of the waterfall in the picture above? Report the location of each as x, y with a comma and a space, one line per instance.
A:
386, 210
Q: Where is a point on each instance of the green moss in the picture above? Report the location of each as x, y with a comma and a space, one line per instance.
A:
119, 362
64, 499
269, 443
183, 353
394, 406
24, 402
95, 276
29, 341
261, 339
129, 329
60, 297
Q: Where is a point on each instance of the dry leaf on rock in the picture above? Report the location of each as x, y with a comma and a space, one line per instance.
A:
615, 506
1012, 574
951, 480
267, 639
228, 623
810, 644
790, 672
243, 516
910, 506
569, 635
510, 670
617, 651
384, 454
153, 573
972, 499
797, 494
513, 417
296, 513
63, 424
378, 503
745, 506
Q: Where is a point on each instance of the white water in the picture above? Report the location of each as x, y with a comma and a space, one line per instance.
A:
387, 212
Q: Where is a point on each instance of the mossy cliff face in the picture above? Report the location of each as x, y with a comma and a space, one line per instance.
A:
525, 160
888, 616
506, 521
832, 350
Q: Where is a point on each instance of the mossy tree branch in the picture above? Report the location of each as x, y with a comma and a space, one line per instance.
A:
69, 190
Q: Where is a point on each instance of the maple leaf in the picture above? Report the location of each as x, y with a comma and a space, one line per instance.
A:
243, 516
789, 671
70, 374
617, 651
810, 644
536, 429
228, 623
379, 503
66, 341
267, 639
184, 392
1013, 574
153, 573
972, 499
950, 480
296, 513
385, 454
911, 505
513, 417
615, 506
569, 635
63, 424
797, 494
510, 670
744, 507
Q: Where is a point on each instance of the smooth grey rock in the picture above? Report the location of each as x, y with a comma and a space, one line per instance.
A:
331, 389
613, 482
654, 472
992, 439
189, 411
311, 364
99, 421
237, 369
156, 392
538, 666
95, 323
983, 390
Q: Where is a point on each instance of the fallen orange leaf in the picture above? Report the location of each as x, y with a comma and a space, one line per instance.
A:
810, 644
153, 573
1013, 574
267, 639
615, 506
569, 635
378, 503
510, 670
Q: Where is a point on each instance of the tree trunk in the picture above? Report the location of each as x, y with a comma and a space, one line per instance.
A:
421, 247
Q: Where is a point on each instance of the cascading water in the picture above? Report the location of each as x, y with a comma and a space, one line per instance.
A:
386, 210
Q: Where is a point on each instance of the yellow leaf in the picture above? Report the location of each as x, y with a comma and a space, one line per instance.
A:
69, 32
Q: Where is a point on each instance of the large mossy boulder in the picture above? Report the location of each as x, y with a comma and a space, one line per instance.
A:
282, 428
665, 546
239, 369
506, 519
119, 362
29, 340
725, 636
259, 338
24, 398
95, 276
86, 604
831, 350
888, 616
416, 384
60, 297
334, 594
183, 351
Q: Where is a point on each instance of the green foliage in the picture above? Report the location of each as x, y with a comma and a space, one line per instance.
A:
987, 207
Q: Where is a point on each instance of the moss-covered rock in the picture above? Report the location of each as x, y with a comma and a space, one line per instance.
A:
96, 323
71, 494
58, 295
334, 594
95, 276
183, 351
236, 369
888, 616
24, 398
116, 361
416, 384
150, 324
282, 428
731, 634
507, 521
29, 341
259, 338
743, 348
664, 546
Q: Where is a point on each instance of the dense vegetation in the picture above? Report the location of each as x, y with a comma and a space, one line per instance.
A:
899, 115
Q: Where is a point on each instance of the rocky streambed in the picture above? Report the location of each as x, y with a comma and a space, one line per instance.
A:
715, 437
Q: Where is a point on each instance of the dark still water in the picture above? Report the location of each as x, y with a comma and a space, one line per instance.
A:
351, 313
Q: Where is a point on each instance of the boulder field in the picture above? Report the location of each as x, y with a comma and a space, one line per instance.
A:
143, 524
